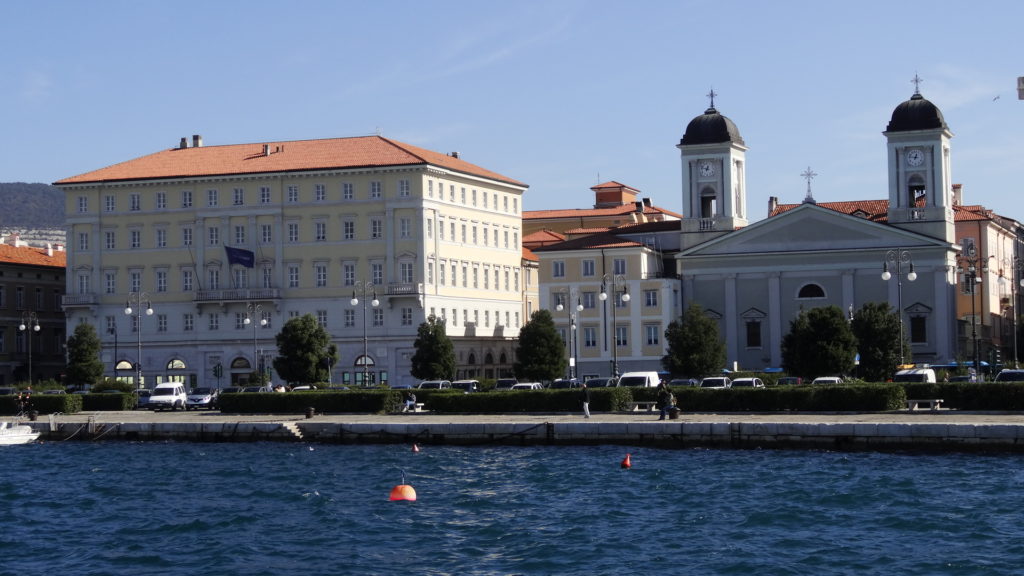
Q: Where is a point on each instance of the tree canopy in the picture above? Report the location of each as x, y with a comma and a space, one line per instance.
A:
877, 329
540, 354
819, 343
434, 358
305, 351
84, 364
694, 348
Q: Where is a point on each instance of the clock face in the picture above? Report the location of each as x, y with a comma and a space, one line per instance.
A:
915, 157
707, 168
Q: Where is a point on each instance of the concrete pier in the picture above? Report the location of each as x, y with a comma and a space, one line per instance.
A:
937, 430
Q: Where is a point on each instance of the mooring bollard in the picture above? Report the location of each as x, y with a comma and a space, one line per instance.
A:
310, 412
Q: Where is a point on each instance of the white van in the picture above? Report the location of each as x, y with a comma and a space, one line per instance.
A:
915, 375
168, 396
640, 379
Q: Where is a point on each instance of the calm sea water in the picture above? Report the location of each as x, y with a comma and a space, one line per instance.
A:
270, 508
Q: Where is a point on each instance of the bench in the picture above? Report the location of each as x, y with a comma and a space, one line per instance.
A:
648, 406
930, 403
416, 407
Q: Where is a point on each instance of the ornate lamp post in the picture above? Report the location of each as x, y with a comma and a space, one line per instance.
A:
364, 288
971, 263
573, 295
252, 310
899, 256
138, 298
29, 324
614, 280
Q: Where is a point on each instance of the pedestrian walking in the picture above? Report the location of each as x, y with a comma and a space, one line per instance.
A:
585, 399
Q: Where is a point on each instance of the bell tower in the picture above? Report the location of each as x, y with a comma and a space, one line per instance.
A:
920, 186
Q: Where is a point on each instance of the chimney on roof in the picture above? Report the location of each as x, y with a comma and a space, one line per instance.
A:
647, 202
266, 149
958, 191
639, 207
197, 141
773, 203
49, 249
454, 154
183, 144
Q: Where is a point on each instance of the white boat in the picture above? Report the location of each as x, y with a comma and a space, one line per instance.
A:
11, 433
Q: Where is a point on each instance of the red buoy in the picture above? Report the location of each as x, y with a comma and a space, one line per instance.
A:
403, 491
415, 448
626, 463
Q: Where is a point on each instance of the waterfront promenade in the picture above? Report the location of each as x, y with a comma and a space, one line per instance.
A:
941, 429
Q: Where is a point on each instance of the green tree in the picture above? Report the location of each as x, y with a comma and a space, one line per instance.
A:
304, 351
540, 354
877, 328
819, 343
434, 358
694, 348
84, 364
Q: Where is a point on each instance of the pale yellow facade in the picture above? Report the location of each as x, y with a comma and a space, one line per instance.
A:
422, 239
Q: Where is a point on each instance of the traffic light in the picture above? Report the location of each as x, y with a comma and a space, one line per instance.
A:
218, 370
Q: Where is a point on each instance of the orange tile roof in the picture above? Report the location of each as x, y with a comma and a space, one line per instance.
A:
291, 156
594, 212
612, 184
602, 240
529, 255
878, 210
32, 256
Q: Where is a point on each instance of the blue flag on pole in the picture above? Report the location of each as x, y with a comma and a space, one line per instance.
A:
241, 257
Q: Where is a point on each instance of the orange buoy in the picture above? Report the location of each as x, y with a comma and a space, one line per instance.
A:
626, 463
403, 491
415, 448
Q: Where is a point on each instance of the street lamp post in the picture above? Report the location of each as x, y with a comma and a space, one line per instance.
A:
1017, 268
899, 256
573, 295
364, 288
970, 263
138, 298
29, 324
252, 310
113, 332
614, 280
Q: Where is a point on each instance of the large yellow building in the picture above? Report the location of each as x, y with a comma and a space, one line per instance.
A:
226, 243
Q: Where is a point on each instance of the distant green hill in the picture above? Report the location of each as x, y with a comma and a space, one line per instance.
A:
30, 206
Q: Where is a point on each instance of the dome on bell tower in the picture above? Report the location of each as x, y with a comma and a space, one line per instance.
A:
916, 114
711, 128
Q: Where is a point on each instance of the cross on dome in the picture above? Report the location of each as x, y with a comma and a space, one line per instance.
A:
711, 95
917, 83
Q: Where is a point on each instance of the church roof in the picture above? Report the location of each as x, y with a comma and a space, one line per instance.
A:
711, 128
277, 157
878, 210
916, 114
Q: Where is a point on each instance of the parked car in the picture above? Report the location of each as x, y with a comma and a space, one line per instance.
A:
231, 390
168, 396
141, 398
915, 375
54, 391
684, 382
1010, 376
565, 383
716, 382
790, 381
435, 385
640, 379
466, 386
7, 391
397, 386
202, 398
528, 386
747, 383
250, 389
505, 383
963, 378
827, 380
602, 382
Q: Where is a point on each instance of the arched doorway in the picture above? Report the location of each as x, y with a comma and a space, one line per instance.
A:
241, 371
364, 371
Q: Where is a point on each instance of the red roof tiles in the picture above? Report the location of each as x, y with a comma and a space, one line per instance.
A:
32, 256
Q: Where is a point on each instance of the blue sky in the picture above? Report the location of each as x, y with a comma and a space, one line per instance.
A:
560, 94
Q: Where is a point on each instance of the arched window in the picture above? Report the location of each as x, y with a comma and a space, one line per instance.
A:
917, 194
489, 359
240, 364
176, 364
811, 291
708, 203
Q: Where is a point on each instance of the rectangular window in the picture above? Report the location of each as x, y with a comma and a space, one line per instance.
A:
241, 276
377, 273
403, 188
621, 336
211, 197
293, 276
918, 330
350, 318
238, 196
161, 200
652, 334
320, 271
465, 275
378, 317
161, 281
186, 198
161, 238
135, 281
268, 277
451, 197
186, 236
265, 319
753, 333
293, 194
348, 274
136, 238
587, 268
320, 231
240, 320
651, 298
264, 194
110, 282
214, 236
320, 192
84, 286
406, 316
83, 203
348, 230
558, 269
347, 191
214, 323
213, 275
464, 237
293, 232
134, 202
267, 233
376, 228
321, 318
240, 234
375, 189
188, 322
619, 266
161, 322
407, 272
83, 241
186, 280
109, 203
109, 240
405, 227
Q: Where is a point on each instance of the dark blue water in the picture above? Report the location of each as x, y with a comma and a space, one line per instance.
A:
271, 508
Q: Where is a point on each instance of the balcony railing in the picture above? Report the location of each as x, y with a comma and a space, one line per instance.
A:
238, 294
400, 288
78, 299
